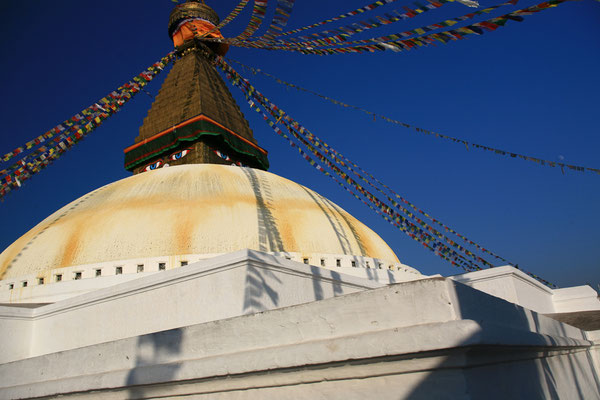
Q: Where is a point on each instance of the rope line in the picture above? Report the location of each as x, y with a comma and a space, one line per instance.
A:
467, 144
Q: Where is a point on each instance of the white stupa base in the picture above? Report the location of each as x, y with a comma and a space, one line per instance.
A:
253, 326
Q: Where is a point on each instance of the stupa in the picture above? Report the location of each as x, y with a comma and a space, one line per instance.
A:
205, 276
214, 198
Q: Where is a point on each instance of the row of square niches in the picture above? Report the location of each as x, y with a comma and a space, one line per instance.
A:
97, 272
162, 266
338, 263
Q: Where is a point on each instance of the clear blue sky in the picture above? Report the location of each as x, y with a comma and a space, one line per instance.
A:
531, 87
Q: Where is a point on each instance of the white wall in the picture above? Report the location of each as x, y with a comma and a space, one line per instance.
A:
50, 290
423, 339
132, 304
223, 287
577, 298
16, 328
514, 286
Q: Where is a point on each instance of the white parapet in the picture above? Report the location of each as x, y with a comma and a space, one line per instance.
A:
514, 286
63, 283
576, 298
222, 287
300, 332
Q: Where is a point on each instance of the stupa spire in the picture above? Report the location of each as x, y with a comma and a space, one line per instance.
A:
194, 118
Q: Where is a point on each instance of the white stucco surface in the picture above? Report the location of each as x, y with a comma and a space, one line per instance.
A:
431, 338
576, 298
514, 286
80, 279
222, 287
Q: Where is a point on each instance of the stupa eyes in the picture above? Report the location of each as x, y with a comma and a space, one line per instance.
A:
179, 154
160, 164
222, 155
227, 158
153, 166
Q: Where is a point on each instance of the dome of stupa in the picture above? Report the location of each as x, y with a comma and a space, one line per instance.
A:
191, 209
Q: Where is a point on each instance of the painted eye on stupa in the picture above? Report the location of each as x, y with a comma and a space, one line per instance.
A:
179, 154
152, 166
222, 155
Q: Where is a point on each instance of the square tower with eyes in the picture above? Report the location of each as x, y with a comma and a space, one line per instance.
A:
194, 118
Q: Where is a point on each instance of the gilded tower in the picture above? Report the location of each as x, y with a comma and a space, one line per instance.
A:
194, 118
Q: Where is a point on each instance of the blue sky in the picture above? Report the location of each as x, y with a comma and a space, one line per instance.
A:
531, 88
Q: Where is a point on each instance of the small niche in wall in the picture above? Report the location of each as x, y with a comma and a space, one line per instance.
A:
140, 268
184, 263
11, 286
338, 262
368, 265
305, 260
354, 263
162, 266
58, 277
118, 270
98, 272
322, 262
40, 281
24, 283
78, 275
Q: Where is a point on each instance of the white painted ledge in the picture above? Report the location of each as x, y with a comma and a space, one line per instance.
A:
415, 334
226, 286
512, 285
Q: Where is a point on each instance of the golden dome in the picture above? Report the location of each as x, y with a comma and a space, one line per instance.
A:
191, 209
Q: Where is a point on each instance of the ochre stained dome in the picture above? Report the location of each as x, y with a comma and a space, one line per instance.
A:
191, 209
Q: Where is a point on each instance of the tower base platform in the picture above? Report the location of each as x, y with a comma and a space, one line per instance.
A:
293, 331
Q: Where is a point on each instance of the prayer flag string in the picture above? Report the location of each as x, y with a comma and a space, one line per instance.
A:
258, 14
310, 141
361, 10
339, 36
428, 28
232, 15
396, 195
463, 142
400, 222
358, 11
282, 14
413, 32
316, 142
442, 37
289, 123
68, 133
